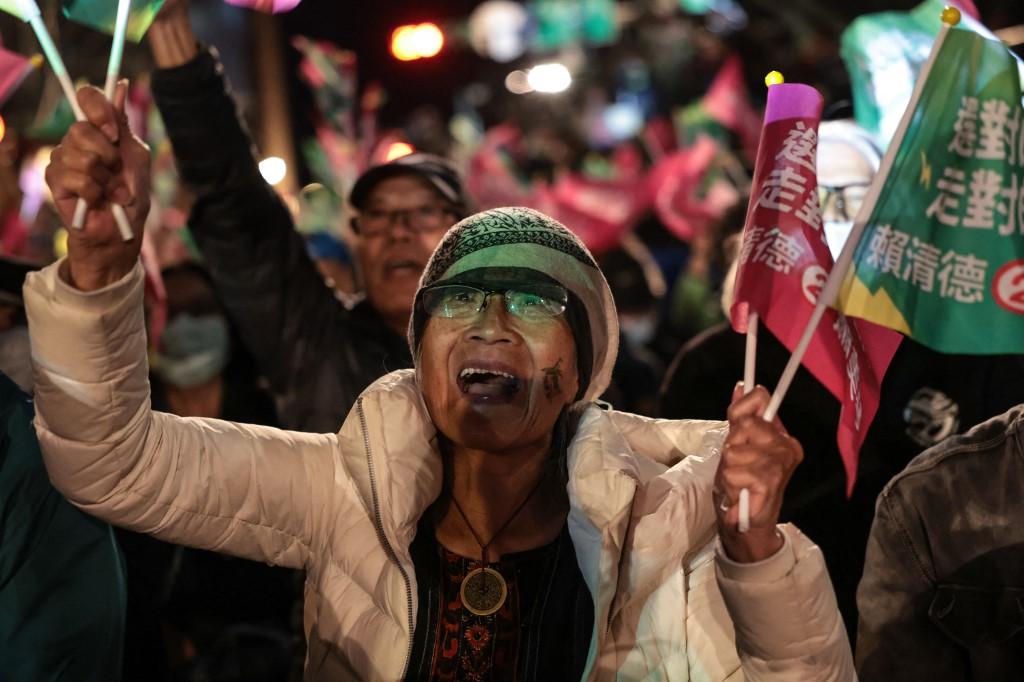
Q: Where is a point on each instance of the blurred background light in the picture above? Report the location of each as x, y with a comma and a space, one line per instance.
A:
549, 78
273, 169
397, 150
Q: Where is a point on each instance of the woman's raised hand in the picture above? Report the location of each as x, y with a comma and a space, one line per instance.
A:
759, 456
101, 161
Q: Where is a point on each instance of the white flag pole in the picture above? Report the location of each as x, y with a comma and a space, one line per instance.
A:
950, 17
749, 365
124, 226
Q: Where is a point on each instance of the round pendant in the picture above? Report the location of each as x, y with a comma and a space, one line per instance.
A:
483, 591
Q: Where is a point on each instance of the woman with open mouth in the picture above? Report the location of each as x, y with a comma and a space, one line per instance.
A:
481, 517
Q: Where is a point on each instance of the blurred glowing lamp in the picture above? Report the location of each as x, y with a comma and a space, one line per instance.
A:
397, 150
3, 128
416, 41
518, 83
497, 30
273, 169
550, 78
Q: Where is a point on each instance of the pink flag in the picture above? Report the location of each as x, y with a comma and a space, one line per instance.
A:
492, 180
728, 103
268, 6
600, 212
13, 70
784, 262
684, 195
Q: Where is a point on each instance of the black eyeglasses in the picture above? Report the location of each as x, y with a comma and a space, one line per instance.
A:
529, 302
373, 222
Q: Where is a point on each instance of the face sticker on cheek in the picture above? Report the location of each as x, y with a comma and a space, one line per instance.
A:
553, 380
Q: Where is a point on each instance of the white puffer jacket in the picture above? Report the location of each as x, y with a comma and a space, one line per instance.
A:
668, 605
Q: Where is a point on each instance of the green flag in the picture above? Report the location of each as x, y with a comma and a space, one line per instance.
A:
101, 15
20, 8
941, 258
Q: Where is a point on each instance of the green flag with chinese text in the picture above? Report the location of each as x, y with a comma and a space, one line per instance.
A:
942, 256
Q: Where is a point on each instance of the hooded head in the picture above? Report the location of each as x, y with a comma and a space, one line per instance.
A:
512, 323
505, 246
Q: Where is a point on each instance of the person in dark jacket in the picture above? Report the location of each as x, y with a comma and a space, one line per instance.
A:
943, 585
317, 354
62, 581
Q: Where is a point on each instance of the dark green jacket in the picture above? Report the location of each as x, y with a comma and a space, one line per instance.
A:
62, 588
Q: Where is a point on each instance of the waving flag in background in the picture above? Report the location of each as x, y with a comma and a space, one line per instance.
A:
941, 258
884, 53
100, 15
13, 70
725, 107
688, 192
784, 262
268, 6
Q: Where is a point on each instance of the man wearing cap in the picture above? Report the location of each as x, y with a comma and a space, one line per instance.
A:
317, 353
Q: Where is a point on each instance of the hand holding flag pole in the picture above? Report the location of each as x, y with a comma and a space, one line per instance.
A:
113, 71
750, 364
28, 11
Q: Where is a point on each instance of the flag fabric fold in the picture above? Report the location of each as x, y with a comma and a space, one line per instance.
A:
941, 258
102, 14
13, 70
884, 53
784, 262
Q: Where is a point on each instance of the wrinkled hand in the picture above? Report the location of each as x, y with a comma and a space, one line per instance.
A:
101, 161
761, 457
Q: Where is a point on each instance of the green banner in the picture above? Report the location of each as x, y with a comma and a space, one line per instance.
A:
101, 14
942, 256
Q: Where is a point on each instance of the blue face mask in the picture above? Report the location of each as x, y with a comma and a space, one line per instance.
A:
193, 350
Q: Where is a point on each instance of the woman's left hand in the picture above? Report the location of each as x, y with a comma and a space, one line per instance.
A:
761, 457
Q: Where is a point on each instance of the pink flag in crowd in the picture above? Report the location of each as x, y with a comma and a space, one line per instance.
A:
13, 70
269, 6
728, 103
600, 212
684, 195
784, 263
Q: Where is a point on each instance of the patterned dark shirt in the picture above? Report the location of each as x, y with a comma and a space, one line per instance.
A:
542, 632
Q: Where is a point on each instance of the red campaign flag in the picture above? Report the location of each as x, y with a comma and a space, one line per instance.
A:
492, 180
728, 103
684, 195
268, 6
599, 211
784, 263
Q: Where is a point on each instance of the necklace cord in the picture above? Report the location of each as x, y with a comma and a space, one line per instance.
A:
485, 545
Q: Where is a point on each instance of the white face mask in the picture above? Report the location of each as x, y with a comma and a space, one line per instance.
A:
194, 350
836, 233
639, 330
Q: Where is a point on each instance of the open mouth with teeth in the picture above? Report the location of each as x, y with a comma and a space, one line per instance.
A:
403, 265
489, 384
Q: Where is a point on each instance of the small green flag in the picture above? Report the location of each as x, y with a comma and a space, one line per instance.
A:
942, 256
19, 8
101, 15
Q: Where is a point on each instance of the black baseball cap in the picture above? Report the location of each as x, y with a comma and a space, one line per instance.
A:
439, 172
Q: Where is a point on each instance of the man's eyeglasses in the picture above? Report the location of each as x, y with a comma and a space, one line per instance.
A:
373, 222
841, 202
529, 302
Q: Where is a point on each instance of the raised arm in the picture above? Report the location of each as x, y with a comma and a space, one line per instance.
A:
249, 491
287, 316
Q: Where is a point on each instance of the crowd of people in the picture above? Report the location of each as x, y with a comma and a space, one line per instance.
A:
504, 458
